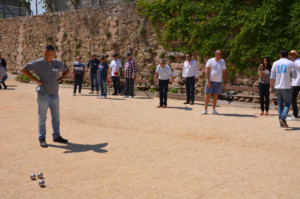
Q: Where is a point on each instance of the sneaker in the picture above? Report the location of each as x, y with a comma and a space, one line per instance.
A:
266, 114
43, 143
214, 112
131, 97
103, 97
79, 93
60, 140
204, 112
125, 96
292, 118
92, 92
262, 113
99, 97
283, 123
74, 94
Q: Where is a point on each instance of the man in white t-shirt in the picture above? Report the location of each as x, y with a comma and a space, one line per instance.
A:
281, 73
114, 67
293, 56
215, 73
190, 76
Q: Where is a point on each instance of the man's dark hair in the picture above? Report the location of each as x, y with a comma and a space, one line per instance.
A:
284, 53
50, 48
190, 54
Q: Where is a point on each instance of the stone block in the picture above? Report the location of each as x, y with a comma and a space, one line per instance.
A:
177, 66
177, 73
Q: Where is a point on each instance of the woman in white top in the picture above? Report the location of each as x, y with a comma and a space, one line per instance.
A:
264, 72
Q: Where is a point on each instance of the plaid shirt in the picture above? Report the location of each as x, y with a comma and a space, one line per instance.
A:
129, 69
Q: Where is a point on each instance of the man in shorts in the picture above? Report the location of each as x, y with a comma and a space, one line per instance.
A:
47, 69
215, 73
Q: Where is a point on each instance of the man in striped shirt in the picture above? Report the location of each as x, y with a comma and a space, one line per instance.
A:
130, 76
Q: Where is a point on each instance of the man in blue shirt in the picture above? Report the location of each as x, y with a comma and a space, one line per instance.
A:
47, 69
93, 66
103, 77
78, 74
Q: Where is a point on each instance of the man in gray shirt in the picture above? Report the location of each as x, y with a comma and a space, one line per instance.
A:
47, 69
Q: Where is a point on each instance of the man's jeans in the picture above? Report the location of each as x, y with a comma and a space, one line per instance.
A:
44, 102
94, 79
190, 88
116, 84
103, 87
295, 92
129, 85
284, 102
163, 91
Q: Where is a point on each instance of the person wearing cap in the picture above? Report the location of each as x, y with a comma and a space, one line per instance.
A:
130, 76
2, 61
163, 73
103, 73
114, 67
93, 67
281, 73
190, 76
3, 77
294, 56
215, 75
78, 74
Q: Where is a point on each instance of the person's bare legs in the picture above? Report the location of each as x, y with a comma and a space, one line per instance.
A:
215, 99
207, 98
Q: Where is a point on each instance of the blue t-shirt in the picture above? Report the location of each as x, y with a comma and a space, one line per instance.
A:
102, 71
78, 68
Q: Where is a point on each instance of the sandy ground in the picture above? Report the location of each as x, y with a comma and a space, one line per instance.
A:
128, 149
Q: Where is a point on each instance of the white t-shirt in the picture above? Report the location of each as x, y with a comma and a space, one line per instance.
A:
282, 70
296, 82
216, 69
115, 66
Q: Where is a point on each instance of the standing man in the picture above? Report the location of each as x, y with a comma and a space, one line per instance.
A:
114, 67
130, 76
215, 73
78, 74
281, 73
2, 62
47, 69
93, 67
163, 73
189, 75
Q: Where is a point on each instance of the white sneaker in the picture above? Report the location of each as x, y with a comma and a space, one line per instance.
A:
292, 118
131, 97
125, 96
214, 112
99, 97
204, 112
103, 97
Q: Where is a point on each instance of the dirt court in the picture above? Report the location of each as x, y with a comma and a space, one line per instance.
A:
128, 149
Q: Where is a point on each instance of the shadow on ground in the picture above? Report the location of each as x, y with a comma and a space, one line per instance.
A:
237, 115
180, 108
77, 148
143, 98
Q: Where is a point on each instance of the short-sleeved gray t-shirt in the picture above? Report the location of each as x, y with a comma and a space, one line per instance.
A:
48, 73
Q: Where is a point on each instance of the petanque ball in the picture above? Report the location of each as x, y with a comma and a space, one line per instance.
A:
32, 176
42, 183
40, 175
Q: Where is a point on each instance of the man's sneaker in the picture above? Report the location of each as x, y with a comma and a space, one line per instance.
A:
125, 96
214, 112
204, 112
283, 123
60, 140
74, 94
92, 92
103, 97
43, 143
79, 93
292, 118
131, 97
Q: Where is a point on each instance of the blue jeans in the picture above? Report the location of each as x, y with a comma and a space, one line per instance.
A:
103, 87
94, 79
284, 102
190, 88
2, 81
44, 102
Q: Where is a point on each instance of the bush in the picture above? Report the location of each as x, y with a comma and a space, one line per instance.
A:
151, 90
173, 90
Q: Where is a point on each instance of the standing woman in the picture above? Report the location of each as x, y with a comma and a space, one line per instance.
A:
264, 72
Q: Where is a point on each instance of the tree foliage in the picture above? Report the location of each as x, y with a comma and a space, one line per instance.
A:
245, 30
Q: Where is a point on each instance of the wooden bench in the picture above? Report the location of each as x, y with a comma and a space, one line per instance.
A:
248, 89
